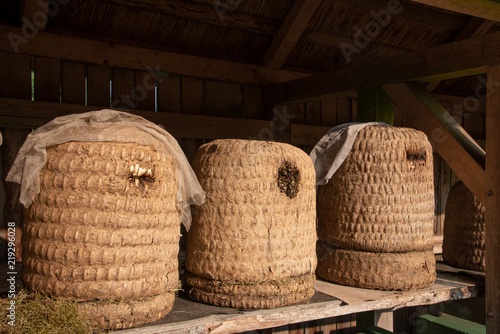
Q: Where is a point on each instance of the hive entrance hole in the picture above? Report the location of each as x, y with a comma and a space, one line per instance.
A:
416, 157
289, 179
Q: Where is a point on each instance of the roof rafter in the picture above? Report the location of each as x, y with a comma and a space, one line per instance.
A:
452, 60
486, 9
296, 21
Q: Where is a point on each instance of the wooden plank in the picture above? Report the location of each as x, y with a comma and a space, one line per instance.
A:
441, 62
344, 324
312, 327
486, 9
223, 99
305, 134
354, 110
169, 94
419, 116
414, 13
193, 102
329, 325
73, 82
343, 110
214, 14
294, 24
384, 319
493, 201
455, 129
269, 318
15, 80
144, 91
122, 89
252, 102
178, 125
313, 112
463, 104
98, 86
329, 111
474, 125
47, 79
438, 213
123, 56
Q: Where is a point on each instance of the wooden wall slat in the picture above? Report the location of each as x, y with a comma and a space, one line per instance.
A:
312, 327
438, 213
144, 90
223, 99
47, 79
313, 112
73, 82
123, 83
252, 97
169, 94
329, 111
98, 85
192, 103
343, 110
15, 76
475, 126
354, 110
329, 325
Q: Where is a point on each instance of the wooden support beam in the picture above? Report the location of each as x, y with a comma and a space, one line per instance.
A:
486, 9
296, 21
415, 13
119, 55
228, 17
25, 114
333, 41
446, 61
35, 12
493, 201
475, 27
417, 114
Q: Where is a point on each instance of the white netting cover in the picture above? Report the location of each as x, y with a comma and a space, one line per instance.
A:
333, 148
102, 126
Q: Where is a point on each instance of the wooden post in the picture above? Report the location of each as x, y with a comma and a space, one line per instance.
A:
493, 201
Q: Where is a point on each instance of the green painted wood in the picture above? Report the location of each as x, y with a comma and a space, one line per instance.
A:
375, 105
448, 324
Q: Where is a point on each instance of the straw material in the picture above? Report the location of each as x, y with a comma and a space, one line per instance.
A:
381, 199
464, 229
383, 271
105, 227
257, 227
120, 314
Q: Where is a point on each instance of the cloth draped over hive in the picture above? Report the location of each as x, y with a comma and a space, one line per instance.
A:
102, 126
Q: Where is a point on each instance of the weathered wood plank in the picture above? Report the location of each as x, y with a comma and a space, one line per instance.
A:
223, 99
493, 201
443, 290
313, 112
169, 94
15, 79
144, 90
122, 89
441, 62
343, 110
73, 82
123, 56
329, 111
418, 115
47, 79
193, 102
289, 33
486, 9
305, 134
253, 107
98, 86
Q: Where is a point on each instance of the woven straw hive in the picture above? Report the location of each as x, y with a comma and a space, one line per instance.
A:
464, 228
252, 244
104, 231
375, 215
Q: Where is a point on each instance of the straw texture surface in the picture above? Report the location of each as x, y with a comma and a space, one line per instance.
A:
252, 244
105, 227
464, 229
383, 271
381, 199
